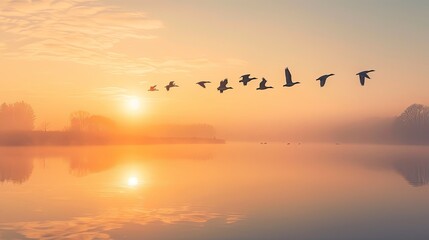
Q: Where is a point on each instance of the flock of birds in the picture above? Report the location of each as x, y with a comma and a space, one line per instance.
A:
245, 79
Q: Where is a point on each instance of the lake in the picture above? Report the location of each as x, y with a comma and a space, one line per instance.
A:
229, 191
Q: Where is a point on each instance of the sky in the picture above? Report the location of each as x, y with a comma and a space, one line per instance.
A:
100, 56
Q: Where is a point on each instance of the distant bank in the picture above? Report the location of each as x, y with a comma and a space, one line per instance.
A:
59, 138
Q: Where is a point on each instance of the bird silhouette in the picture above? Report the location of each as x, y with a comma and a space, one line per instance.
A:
323, 79
363, 75
262, 85
288, 76
222, 86
203, 83
245, 79
170, 85
152, 88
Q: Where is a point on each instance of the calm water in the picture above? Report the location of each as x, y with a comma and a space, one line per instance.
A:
232, 191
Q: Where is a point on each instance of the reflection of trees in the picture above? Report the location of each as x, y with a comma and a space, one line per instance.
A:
415, 171
15, 166
412, 126
87, 162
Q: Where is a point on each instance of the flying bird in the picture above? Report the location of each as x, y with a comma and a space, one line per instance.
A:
222, 86
203, 83
289, 82
245, 79
323, 79
363, 75
153, 88
262, 85
170, 85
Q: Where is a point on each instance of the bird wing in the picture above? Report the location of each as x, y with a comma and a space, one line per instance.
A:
362, 79
365, 75
202, 84
322, 82
288, 76
222, 84
262, 83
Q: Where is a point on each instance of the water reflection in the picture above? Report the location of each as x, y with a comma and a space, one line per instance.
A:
415, 169
16, 165
98, 227
233, 191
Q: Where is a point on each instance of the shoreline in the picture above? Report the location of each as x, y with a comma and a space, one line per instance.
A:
35, 138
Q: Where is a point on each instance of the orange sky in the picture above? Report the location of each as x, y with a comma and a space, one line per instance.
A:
63, 56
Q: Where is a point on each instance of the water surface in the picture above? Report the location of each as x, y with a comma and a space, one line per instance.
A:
232, 191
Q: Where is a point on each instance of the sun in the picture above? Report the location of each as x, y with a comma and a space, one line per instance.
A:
133, 181
133, 103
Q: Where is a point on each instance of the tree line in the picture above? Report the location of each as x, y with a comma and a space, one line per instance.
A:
411, 127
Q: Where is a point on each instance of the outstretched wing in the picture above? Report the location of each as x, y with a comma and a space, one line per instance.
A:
362, 79
202, 84
322, 82
262, 83
288, 76
222, 84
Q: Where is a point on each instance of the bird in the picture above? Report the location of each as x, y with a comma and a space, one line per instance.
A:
246, 79
170, 85
323, 79
152, 88
203, 83
222, 86
363, 75
262, 85
289, 82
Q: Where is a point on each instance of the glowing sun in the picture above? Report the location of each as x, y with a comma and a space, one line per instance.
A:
133, 103
133, 181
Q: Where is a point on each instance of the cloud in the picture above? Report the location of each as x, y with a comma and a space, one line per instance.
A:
81, 31
97, 227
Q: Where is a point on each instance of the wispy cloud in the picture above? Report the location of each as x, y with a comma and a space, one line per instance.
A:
81, 31
97, 227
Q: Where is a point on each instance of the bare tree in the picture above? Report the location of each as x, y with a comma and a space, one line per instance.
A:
101, 124
18, 116
413, 124
44, 126
85, 122
79, 121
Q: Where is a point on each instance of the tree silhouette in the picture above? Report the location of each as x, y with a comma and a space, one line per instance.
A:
412, 126
18, 116
79, 121
101, 124
82, 121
